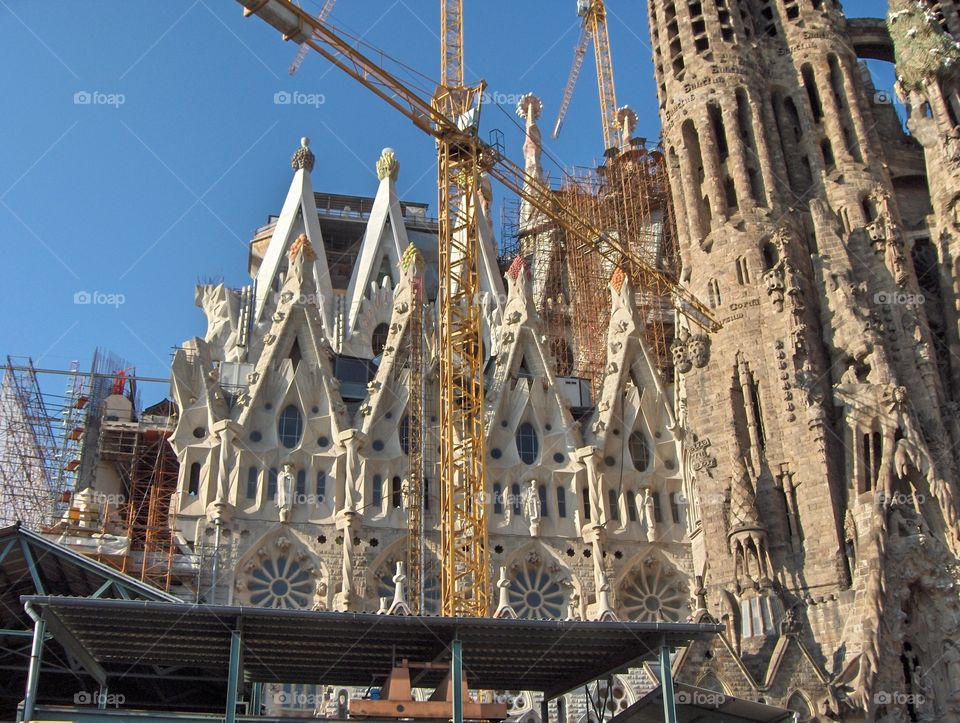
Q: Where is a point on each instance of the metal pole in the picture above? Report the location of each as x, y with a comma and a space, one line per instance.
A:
234, 676
456, 672
666, 686
33, 673
256, 690
102, 698
561, 710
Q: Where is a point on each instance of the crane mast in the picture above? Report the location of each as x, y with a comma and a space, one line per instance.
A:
594, 29
452, 117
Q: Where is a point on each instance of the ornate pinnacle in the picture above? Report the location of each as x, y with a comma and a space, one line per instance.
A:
388, 165
302, 245
412, 259
617, 279
303, 158
530, 107
519, 266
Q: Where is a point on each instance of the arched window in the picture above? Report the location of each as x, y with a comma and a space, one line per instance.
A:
515, 505
379, 338
640, 451
586, 504
193, 489
561, 502
301, 485
272, 483
632, 506
538, 593
253, 478
528, 445
652, 591
542, 494
321, 487
377, 491
396, 493
290, 426
614, 504
404, 432
497, 498
657, 511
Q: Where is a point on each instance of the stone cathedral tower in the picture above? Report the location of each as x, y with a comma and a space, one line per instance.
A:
820, 437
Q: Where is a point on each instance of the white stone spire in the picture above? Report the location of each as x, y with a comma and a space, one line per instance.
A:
384, 239
298, 216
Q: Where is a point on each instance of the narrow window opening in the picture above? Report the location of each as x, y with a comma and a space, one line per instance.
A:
561, 502
193, 488
614, 505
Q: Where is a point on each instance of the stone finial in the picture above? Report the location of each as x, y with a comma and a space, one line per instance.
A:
412, 260
743, 508
388, 165
303, 158
617, 279
519, 266
530, 108
399, 605
626, 119
605, 613
504, 609
302, 245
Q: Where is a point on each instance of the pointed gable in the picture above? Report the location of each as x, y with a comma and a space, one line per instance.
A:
389, 389
630, 374
383, 242
295, 346
297, 218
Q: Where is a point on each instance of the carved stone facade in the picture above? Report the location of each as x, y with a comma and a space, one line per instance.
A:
829, 396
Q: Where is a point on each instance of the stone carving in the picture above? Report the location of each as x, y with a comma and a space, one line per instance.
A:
698, 348
387, 165
303, 158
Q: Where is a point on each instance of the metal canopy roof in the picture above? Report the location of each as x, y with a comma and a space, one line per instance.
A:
699, 705
31, 563
297, 646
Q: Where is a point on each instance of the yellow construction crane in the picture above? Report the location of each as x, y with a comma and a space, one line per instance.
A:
594, 28
451, 117
304, 48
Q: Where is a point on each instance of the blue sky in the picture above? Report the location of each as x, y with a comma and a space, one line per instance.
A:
160, 180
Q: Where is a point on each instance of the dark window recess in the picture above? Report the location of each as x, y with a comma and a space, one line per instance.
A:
272, 483
497, 498
193, 488
301, 484
377, 491
632, 506
321, 487
614, 505
515, 506
542, 495
253, 481
561, 502
396, 493
586, 504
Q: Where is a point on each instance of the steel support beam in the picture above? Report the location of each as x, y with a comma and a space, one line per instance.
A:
33, 672
456, 673
233, 680
31, 564
666, 686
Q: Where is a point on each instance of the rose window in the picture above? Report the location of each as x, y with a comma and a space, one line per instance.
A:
280, 576
654, 592
537, 591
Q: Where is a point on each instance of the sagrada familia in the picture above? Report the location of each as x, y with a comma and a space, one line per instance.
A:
793, 478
